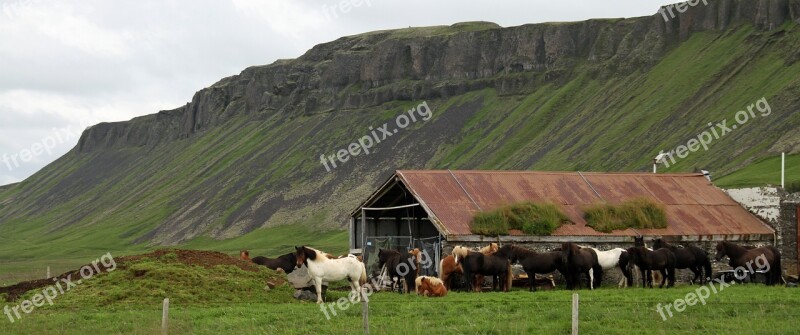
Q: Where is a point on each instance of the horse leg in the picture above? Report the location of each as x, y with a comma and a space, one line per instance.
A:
697, 273
532, 281
644, 274
318, 287
590, 276
663, 277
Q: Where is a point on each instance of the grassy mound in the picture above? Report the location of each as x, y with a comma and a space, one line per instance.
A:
636, 213
531, 218
186, 277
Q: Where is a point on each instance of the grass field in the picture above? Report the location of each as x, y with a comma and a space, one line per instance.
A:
751, 309
763, 173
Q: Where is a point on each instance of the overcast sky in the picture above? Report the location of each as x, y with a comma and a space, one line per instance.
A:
65, 65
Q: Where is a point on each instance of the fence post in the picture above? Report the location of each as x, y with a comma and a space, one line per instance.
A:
48, 272
365, 310
165, 317
574, 314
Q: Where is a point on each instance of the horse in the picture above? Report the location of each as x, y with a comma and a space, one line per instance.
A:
476, 263
320, 268
533, 262
448, 270
610, 259
691, 257
579, 261
662, 260
745, 258
430, 286
395, 263
286, 262
638, 241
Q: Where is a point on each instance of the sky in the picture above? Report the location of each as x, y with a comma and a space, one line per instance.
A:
66, 65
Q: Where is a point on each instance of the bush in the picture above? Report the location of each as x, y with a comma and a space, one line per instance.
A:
531, 218
640, 213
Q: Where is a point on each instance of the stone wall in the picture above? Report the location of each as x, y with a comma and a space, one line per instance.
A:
787, 235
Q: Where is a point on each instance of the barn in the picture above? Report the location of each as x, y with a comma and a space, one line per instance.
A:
433, 209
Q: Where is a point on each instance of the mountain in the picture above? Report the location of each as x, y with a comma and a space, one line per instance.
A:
597, 95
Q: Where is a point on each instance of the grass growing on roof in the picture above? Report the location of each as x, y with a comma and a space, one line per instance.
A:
529, 217
635, 213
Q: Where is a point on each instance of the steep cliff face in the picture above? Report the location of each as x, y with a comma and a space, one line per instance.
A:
427, 63
593, 95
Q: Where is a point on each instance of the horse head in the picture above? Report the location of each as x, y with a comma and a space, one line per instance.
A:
507, 251
658, 244
459, 253
638, 241
721, 250
302, 254
244, 255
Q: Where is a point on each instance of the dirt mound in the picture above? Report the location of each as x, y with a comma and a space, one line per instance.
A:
206, 259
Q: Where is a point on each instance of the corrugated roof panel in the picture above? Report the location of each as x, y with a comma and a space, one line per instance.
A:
693, 205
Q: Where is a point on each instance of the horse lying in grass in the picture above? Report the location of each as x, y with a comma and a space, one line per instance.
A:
400, 265
691, 257
579, 261
430, 286
662, 260
286, 262
767, 259
321, 268
533, 262
476, 263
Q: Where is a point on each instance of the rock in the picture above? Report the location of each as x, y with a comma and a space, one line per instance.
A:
305, 295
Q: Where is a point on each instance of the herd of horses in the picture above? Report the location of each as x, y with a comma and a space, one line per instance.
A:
572, 261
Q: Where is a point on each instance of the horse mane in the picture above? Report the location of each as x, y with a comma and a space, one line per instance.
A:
433, 280
489, 249
460, 252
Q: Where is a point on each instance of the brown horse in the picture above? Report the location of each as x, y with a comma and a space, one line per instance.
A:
662, 260
766, 259
430, 286
448, 269
577, 261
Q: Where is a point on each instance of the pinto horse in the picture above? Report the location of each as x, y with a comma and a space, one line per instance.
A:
322, 268
691, 257
476, 263
767, 258
403, 265
533, 262
286, 262
448, 270
662, 260
610, 259
579, 261
430, 286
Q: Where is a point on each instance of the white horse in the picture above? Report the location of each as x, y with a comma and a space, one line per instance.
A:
322, 268
610, 259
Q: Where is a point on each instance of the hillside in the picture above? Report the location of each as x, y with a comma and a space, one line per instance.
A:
244, 154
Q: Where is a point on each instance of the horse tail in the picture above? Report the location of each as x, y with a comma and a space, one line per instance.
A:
707, 268
363, 279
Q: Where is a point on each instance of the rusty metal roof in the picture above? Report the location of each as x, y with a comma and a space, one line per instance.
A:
694, 206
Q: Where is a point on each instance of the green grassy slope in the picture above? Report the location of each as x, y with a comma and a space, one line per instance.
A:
762, 173
254, 173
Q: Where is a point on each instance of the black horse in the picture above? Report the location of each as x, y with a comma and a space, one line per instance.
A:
495, 265
533, 262
399, 265
286, 262
662, 260
579, 261
691, 257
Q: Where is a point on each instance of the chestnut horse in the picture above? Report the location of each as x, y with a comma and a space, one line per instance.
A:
286, 262
448, 269
767, 259
430, 286
321, 268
